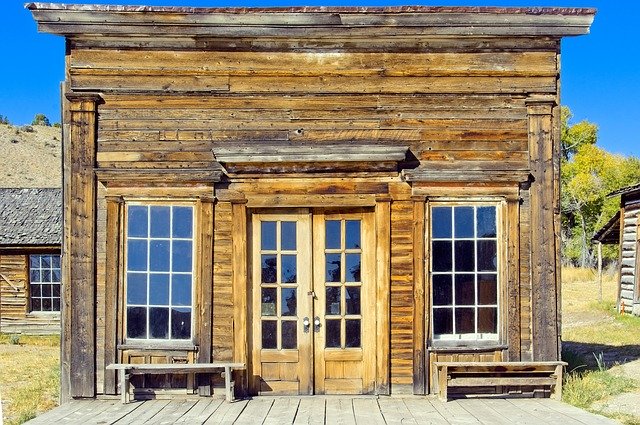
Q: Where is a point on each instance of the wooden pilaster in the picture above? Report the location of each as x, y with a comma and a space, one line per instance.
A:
239, 279
78, 351
419, 313
514, 325
112, 285
205, 304
544, 234
383, 293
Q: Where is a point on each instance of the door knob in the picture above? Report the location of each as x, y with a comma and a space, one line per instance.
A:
306, 324
316, 324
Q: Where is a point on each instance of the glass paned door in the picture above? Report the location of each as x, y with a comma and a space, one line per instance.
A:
313, 303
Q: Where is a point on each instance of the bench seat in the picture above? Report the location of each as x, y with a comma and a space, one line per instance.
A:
127, 369
496, 374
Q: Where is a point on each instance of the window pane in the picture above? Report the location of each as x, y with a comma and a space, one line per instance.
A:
352, 273
333, 263
442, 256
181, 290
182, 222
332, 234
352, 333
332, 336
465, 321
159, 289
137, 221
269, 300
352, 299
268, 235
288, 235
34, 261
45, 261
136, 322
352, 234
488, 320
464, 222
55, 276
46, 290
159, 322
465, 289
333, 300
441, 222
269, 268
136, 288
56, 304
442, 290
34, 275
486, 222
136, 255
487, 256
159, 256
160, 222
269, 334
487, 289
45, 275
442, 321
55, 261
46, 304
465, 256
289, 334
288, 268
181, 323
289, 302
56, 290
36, 304
182, 256
36, 290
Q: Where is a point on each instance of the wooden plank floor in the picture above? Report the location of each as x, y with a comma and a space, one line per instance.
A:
322, 410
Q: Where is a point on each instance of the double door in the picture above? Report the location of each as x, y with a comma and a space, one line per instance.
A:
313, 303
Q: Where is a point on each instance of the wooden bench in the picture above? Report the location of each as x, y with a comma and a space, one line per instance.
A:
127, 369
495, 374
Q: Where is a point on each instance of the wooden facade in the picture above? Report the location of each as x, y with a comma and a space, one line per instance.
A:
368, 129
30, 221
624, 229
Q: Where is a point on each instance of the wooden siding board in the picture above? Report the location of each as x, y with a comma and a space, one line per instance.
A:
222, 328
112, 285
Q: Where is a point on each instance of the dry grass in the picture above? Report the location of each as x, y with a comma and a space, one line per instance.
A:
30, 378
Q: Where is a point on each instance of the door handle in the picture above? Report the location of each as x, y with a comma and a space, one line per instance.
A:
305, 325
316, 324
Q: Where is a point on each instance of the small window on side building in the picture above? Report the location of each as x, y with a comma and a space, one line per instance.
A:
44, 282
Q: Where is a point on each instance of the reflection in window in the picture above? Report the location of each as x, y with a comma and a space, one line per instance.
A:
159, 272
464, 272
44, 282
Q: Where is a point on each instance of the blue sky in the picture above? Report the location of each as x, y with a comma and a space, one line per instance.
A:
600, 75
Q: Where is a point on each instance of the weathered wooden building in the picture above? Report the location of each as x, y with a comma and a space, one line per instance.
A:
336, 197
30, 272
624, 229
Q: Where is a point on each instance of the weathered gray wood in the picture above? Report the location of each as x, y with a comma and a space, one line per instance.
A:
367, 411
147, 411
424, 412
309, 153
255, 412
454, 412
339, 410
310, 411
174, 411
484, 412
202, 410
227, 412
283, 411
395, 411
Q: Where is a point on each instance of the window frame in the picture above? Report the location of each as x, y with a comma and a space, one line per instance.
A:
457, 340
30, 283
187, 343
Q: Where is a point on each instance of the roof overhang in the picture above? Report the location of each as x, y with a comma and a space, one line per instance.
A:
610, 232
310, 22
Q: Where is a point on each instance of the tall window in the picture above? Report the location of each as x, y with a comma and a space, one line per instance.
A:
159, 272
44, 282
464, 272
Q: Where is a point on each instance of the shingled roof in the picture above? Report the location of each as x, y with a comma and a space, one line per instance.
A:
30, 217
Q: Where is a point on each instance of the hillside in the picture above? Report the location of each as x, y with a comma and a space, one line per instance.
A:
30, 158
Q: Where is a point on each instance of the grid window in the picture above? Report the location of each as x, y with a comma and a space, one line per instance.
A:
44, 282
464, 272
159, 272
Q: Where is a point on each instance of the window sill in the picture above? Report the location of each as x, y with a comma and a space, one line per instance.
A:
48, 314
167, 346
466, 346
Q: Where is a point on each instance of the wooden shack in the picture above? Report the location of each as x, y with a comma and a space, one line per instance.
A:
335, 196
30, 270
624, 229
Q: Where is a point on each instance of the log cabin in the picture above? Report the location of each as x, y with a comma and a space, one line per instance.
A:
623, 229
30, 270
335, 197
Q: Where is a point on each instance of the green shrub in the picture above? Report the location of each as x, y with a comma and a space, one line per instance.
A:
41, 119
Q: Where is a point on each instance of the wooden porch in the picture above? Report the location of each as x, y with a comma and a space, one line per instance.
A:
367, 410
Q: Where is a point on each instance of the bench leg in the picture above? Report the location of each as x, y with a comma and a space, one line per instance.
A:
124, 385
227, 383
442, 383
557, 390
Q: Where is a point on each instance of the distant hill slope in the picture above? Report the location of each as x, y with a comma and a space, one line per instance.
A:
30, 158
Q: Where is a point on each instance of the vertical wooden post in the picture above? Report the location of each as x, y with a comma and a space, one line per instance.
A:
514, 337
383, 293
239, 270
600, 271
112, 285
419, 314
78, 351
544, 232
205, 304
